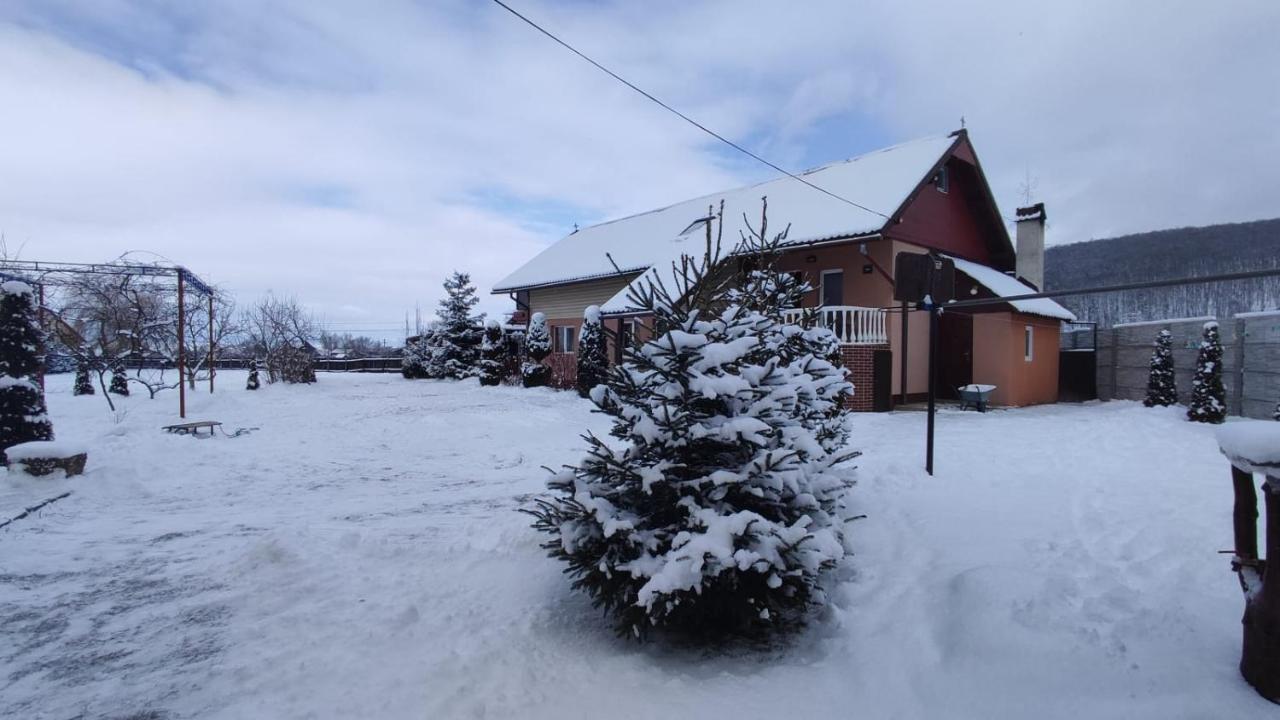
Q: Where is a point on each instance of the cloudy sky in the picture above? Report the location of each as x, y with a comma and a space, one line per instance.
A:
352, 154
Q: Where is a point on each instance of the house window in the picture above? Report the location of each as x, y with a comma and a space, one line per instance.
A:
626, 335
564, 338
942, 181
1028, 343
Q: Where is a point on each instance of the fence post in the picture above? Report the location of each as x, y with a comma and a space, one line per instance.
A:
1238, 380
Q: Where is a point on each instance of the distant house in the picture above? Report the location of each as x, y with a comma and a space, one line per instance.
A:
935, 198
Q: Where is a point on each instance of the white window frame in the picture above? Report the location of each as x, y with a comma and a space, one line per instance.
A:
1028, 342
822, 286
564, 338
942, 181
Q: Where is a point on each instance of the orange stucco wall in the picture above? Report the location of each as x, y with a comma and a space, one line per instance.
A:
999, 357
860, 288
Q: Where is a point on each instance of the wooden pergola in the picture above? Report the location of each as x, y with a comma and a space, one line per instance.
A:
41, 274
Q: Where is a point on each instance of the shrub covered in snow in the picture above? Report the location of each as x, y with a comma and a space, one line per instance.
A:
492, 367
456, 343
83, 385
1208, 397
537, 346
593, 357
252, 383
119, 380
23, 417
718, 505
1160, 385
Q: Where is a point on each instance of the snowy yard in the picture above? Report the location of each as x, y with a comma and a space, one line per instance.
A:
358, 555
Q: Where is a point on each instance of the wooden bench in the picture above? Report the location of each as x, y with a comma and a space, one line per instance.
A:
193, 428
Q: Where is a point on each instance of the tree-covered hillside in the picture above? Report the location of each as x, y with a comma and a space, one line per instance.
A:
1181, 252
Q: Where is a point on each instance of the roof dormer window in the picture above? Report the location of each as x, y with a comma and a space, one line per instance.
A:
942, 181
698, 224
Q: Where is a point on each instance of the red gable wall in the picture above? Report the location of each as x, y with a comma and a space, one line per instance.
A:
959, 221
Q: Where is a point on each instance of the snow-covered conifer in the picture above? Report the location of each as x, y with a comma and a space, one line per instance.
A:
1160, 386
593, 352
296, 365
1208, 397
83, 385
492, 367
458, 337
253, 383
718, 507
537, 346
411, 358
119, 380
22, 409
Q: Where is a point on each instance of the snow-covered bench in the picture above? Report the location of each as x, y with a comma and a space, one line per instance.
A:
1254, 447
42, 457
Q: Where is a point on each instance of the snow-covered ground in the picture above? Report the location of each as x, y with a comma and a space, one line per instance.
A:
358, 555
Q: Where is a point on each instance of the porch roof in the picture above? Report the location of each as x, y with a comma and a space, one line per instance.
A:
1003, 286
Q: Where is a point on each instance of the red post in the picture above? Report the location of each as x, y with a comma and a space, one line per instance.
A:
182, 367
210, 344
40, 322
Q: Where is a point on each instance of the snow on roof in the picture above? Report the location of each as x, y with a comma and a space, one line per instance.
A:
880, 180
1004, 286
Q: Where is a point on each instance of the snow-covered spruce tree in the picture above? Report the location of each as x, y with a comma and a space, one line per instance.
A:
537, 346
458, 336
1208, 397
1160, 386
253, 383
492, 367
296, 365
83, 385
719, 506
119, 379
411, 366
22, 410
593, 352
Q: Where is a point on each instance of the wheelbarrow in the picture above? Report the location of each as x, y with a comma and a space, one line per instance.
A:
975, 396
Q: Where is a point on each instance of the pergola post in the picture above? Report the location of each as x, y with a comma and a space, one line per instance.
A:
210, 362
182, 330
40, 322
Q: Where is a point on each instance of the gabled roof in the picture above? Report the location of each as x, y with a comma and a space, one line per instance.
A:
882, 180
1004, 286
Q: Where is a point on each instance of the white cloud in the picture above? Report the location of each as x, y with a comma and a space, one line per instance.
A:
356, 155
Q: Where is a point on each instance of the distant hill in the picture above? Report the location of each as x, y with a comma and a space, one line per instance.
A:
1167, 254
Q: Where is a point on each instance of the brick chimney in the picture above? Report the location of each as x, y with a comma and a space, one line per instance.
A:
1030, 242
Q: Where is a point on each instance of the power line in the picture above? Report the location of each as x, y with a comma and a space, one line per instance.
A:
681, 115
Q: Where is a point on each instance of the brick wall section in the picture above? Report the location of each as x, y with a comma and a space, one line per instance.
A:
857, 362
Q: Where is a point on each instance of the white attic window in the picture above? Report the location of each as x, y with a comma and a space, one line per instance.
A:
942, 181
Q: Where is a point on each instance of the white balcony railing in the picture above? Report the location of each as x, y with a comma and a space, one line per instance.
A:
853, 325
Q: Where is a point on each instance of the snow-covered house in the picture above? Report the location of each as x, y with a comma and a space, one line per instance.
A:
927, 195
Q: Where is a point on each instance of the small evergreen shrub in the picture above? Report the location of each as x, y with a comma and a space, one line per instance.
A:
253, 383
23, 416
119, 380
537, 346
593, 352
492, 367
1208, 396
1160, 382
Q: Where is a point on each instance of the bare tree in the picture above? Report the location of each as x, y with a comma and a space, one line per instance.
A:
280, 330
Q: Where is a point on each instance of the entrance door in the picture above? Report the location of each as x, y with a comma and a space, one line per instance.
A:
955, 353
832, 287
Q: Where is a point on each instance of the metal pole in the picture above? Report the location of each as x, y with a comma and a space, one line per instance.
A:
210, 344
903, 362
182, 368
933, 351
